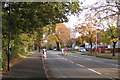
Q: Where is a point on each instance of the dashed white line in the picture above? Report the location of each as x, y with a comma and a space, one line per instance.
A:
115, 65
62, 58
71, 61
75, 56
71, 55
87, 58
66, 59
99, 61
94, 71
80, 65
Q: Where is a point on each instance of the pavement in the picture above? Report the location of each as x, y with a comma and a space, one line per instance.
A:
31, 68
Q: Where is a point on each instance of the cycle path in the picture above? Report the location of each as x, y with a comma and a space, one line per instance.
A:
30, 68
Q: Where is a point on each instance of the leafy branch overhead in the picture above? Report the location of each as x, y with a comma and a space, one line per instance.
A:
28, 21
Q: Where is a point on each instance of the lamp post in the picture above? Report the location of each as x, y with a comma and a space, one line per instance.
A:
9, 36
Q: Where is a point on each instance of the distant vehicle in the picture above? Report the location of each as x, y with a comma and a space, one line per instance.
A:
62, 48
81, 49
88, 49
54, 49
76, 47
69, 49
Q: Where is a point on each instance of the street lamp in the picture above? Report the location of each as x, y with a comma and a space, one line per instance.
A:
9, 39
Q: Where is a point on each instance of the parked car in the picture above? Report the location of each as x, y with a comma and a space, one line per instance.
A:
81, 49
62, 48
76, 48
54, 49
88, 49
69, 49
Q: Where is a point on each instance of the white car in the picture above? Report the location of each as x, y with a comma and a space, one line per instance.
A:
81, 49
54, 49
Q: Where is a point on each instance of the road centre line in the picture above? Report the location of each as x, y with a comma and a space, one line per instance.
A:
58, 55
66, 59
80, 65
115, 65
94, 71
71, 55
75, 56
62, 58
71, 61
87, 58
99, 61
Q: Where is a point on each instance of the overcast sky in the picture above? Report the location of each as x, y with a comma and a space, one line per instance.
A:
73, 19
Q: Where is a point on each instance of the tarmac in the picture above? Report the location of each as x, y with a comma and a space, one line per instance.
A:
31, 68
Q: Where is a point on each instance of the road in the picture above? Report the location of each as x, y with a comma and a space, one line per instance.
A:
79, 66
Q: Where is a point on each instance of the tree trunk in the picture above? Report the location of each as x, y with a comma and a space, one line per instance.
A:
39, 48
114, 43
58, 46
33, 47
73, 45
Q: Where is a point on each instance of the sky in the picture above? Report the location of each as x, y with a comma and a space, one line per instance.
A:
73, 19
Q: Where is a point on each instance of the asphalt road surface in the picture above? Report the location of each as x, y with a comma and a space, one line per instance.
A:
79, 66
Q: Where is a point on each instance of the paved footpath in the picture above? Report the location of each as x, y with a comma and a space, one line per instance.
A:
31, 68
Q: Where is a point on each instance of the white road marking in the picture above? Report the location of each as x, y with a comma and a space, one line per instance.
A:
58, 56
71, 61
94, 71
80, 65
87, 58
99, 61
66, 59
115, 65
75, 56
71, 55
62, 58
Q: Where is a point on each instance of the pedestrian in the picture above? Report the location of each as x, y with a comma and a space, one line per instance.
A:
62, 51
65, 53
98, 50
44, 53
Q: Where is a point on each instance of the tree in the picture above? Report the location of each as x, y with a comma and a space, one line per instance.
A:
72, 36
105, 13
27, 17
51, 41
78, 41
87, 31
63, 33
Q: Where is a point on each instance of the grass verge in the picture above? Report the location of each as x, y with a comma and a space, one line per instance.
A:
108, 57
76, 52
30, 52
91, 54
100, 56
84, 53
